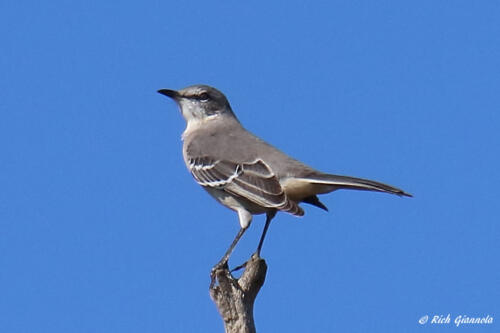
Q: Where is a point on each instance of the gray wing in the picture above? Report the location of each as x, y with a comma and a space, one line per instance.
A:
253, 181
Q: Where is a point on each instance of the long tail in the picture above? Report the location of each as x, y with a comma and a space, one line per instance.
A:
345, 182
306, 188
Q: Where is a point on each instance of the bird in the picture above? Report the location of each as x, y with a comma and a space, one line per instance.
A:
245, 173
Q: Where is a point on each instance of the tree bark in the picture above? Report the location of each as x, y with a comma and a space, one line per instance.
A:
234, 298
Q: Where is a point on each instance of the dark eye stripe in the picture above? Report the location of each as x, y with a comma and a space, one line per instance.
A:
202, 97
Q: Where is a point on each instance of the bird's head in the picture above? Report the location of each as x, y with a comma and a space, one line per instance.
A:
200, 102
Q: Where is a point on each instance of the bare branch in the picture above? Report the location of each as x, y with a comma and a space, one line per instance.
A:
234, 298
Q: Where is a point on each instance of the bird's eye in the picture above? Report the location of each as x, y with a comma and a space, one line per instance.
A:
203, 97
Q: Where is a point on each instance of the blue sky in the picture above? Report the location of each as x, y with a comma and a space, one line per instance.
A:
102, 229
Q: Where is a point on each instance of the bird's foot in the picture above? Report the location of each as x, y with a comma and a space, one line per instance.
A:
213, 273
244, 265
237, 268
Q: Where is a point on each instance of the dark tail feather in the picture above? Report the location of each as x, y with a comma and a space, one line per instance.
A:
313, 200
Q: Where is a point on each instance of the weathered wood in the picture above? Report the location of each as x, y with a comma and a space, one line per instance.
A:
234, 298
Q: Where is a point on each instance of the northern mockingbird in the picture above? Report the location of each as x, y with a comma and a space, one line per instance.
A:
243, 172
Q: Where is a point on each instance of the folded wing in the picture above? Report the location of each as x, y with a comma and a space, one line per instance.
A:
254, 182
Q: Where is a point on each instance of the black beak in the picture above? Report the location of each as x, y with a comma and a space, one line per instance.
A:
170, 93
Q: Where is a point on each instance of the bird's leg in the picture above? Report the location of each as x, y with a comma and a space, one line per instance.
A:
225, 258
223, 262
269, 217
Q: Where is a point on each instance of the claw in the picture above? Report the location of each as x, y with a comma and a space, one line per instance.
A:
219, 265
244, 265
237, 268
